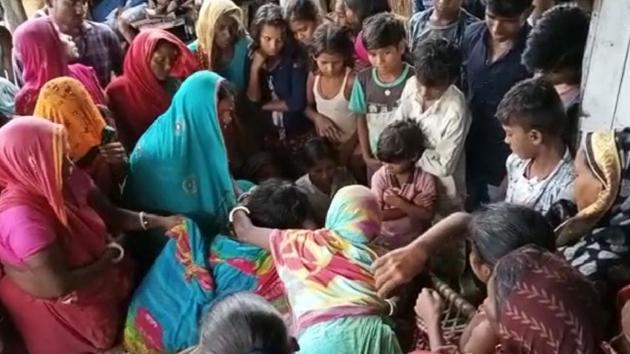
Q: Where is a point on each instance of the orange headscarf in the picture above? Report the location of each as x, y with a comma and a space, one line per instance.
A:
66, 101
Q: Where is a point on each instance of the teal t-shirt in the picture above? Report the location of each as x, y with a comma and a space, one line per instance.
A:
237, 71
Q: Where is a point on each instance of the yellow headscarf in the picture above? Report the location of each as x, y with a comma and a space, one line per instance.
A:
65, 101
211, 11
604, 160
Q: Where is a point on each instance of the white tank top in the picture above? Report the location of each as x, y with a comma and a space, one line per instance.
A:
336, 108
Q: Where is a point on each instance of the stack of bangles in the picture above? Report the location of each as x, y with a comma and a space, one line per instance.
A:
121, 251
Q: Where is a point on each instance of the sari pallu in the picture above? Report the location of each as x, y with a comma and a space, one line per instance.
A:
88, 319
38, 47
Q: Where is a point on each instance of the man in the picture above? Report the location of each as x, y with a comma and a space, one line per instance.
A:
98, 45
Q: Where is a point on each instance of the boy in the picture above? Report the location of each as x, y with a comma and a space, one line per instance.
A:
405, 192
540, 169
492, 53
377, 90
431, 99
446, 19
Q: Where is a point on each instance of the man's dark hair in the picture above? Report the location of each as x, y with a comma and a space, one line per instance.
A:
558, 40
383, 30
301, 10
437, 62
401, 141
508, 8
498, 229
278, 204
534, 104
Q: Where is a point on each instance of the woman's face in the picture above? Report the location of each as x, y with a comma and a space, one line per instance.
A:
482, 270
225, 110
489, 305
225, 31
271, 40
587, 186
163, 59
303, 30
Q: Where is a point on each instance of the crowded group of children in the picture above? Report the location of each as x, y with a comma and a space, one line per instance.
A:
318, 166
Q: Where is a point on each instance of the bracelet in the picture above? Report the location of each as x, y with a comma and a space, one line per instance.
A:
143, 221
120, 250
392, 307
233, 211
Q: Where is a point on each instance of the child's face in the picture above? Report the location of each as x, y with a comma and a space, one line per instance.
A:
387, 59
446, 7
351, 18
323, 172
399, 167
330, 64
481, 270
303, 30
587, 185
163, 59
340, 13
271, 40
430, 93
522, 142
225, 31
503, 29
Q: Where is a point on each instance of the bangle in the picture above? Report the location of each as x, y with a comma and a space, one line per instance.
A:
121, 251
233, 211
392, 307
143, 221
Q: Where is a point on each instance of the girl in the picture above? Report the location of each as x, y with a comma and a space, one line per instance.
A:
277, 83
357, 11
304, 17
154, 66
222, 41
327, 274
324, 178
329, 89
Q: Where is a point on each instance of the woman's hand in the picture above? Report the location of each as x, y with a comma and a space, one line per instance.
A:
399, 267
165, 222
258, 59
114, 153
327, 128
429, 307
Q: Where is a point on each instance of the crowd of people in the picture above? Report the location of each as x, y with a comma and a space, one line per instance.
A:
284, 185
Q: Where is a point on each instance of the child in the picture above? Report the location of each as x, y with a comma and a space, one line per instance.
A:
440, 108
277, 82
328, 277
492, 53
324, 178
376, 92
303, 17
357, 11
446, 19
540, 170
406, 193
329, 88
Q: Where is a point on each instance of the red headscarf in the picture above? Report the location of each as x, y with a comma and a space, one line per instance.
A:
39, 49
137, 97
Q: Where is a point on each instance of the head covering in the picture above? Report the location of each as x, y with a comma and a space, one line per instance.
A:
7, 97
545, 306
354, 214
137, 97
209, 15
41, 53
65, 101
180, 164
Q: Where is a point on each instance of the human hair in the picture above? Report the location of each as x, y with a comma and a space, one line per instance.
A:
317, 149
334, 39
508, 8
437, 62
226, 90
270, 15
278, 204
301, 10
558, 40
534, 104
498, 229
401, 141
364, 8
383, 30
243, 323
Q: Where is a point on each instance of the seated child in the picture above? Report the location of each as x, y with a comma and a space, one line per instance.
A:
406, 194
440, 108
540, 169
324, 178
446, 19
303, 17
328, 277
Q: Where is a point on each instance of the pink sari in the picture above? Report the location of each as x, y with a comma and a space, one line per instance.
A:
88, 319
41, 52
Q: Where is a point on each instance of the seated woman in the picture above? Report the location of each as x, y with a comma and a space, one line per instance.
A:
154, 66
328, 276
192, 272
66, 283
65, 101
536, 303
44, 54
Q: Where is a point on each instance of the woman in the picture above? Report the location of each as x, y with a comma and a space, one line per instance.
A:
222, 41
536, 303
65, 283
44, 54
65, 101
596, 239
328, 277
194, 270
155, 64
